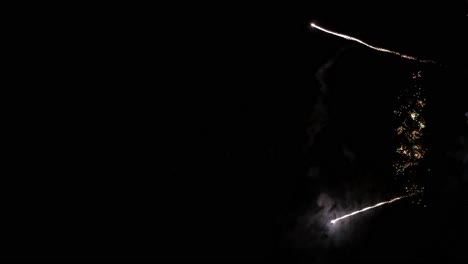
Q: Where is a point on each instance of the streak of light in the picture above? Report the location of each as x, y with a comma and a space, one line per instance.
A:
368, 208
370, 46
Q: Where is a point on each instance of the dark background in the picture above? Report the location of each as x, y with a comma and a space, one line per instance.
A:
185, 132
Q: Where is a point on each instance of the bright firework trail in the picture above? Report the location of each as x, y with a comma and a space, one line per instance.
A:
367, 208
370, 46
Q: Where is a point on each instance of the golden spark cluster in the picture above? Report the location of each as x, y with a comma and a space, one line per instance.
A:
410, 132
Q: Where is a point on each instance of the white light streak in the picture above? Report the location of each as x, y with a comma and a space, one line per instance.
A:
370, 46
367, 208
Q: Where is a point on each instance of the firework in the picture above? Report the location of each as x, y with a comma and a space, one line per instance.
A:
370, 46
411, 148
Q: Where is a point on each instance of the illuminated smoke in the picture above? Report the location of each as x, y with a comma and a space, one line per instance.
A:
367, 208
370, 46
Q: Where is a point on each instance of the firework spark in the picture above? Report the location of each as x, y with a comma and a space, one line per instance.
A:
411, 150
367, 208
370, 46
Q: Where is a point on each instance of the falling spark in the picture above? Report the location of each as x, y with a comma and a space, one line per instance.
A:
367, 208
370, 46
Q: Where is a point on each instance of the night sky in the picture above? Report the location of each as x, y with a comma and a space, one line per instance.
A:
232, 132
